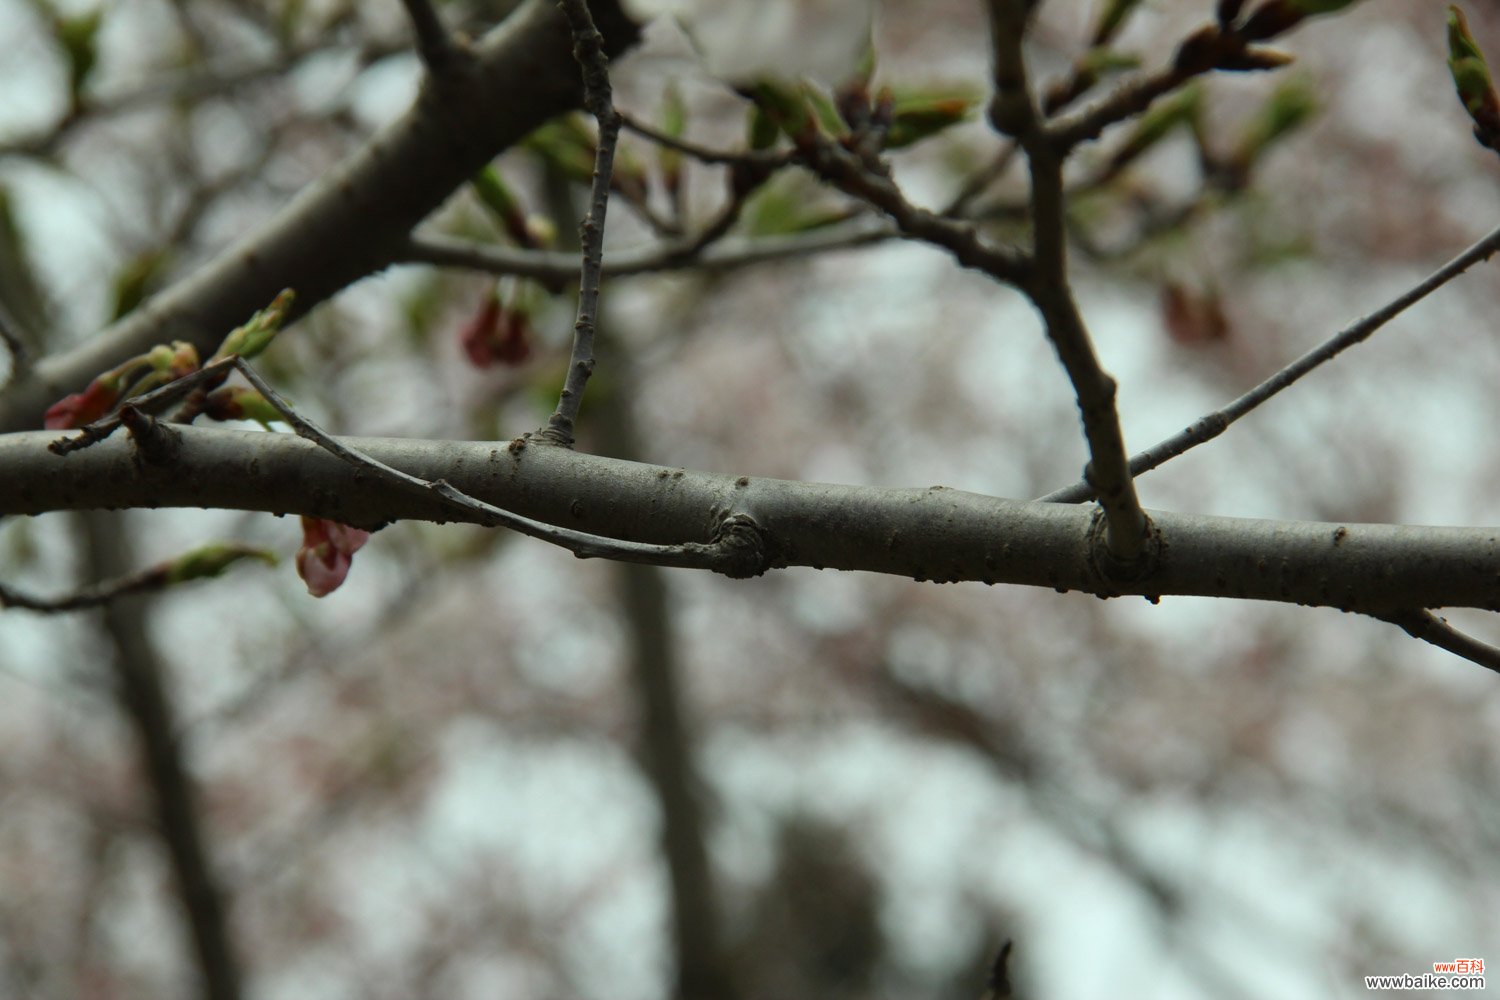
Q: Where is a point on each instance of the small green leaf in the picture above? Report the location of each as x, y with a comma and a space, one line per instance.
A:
1290, 106
255, 336
915, 117
1472, 80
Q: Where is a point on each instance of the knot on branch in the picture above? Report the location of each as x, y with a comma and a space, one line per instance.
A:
742, 547
154, 442
1110, 568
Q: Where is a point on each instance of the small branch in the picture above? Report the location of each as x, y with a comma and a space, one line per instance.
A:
588, 49
153, 579
1205, 50
93, 596
701, 251
1423, 624
1211, 426
1120, 105
979, 181
434, 44
15, 346
340, 228
870, 183
763, 158
735, 551
185, 86
1013, 111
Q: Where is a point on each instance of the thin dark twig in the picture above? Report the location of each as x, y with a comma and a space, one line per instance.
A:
870, 183
434, 44
703, 250
1121, 104
766, 158
183, 86
588, 49
979, 181
153, 578
733, 552
1423, 624
1211, 426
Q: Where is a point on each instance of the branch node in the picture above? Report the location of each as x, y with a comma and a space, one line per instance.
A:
155, 443
743, 546
1110, 568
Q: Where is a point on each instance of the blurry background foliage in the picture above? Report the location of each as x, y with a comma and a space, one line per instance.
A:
452, 777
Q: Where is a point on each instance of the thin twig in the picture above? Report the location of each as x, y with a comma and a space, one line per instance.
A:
588, 49
1208, 427
734, 552
870, 183
184, 86
1423, 624
154, 578
435, 46
766, 158
1125, 102
15, 346
979, 181
698, 252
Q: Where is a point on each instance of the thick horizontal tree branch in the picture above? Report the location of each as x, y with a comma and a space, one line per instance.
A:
929, 534
354, 221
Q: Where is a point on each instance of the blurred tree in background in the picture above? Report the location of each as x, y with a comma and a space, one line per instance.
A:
481, 767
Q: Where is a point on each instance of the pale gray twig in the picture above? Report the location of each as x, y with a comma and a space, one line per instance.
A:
727, 553
1423, 624
1208, 427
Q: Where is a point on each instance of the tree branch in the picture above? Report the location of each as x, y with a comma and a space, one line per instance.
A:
350, 223
695, 253
588, 49
1208, 427
1013, 111
1428, 627
733, 549
434, 44
928, 534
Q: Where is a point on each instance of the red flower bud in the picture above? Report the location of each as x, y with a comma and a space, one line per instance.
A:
496, 335
326, 554
84, 407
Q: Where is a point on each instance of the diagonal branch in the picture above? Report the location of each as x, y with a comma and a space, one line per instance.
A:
1208, 427
1423, 624
702, 251
349, 223
733, 551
